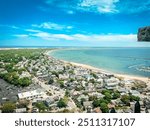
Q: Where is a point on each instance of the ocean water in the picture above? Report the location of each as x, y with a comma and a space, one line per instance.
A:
131, 61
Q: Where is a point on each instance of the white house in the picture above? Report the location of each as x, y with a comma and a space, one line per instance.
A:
135, 92
21, 110
32, 95
112, 82
25, 74
98, 95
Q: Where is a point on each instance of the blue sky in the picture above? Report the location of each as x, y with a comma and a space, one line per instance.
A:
73, 22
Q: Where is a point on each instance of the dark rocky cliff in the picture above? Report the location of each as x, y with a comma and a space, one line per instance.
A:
144, 34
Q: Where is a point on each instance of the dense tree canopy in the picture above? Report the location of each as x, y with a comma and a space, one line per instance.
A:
8, 107
61, 103
9, 60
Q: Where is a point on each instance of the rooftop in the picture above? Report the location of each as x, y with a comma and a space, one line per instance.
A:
31, 93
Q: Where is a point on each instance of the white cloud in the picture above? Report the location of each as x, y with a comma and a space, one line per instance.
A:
101, 6
62, 36
105, 38
14, 27
70, 12
53, 26
44, 35
95, 38
21, 35
49, 36
32, 30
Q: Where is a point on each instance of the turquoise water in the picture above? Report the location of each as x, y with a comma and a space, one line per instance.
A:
132, 61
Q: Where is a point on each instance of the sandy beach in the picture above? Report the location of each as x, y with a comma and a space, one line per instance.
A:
9, 48
105, 71
145, 79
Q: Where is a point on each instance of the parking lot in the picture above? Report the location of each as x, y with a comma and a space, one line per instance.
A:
9, 92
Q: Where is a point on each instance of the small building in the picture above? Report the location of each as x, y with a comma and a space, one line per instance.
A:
59, 68
88, 105
132, 106
30, 95
98, 95
75, 93
25, 74
49, 101
35, 110
83, 97
111, 83
88, 77
123, 91
127, 110
97, 110
128, 82
141, 103
148, 93
109, 74
21, 110
63, 76
135, 93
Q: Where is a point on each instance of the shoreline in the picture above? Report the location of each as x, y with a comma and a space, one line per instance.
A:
95, 69
105, 71
9, 48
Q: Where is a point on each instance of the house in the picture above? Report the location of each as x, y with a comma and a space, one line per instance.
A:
90, 87
49, 101
148, 93
141, 103
98, 95
21, 110
116, 101
99, 85
72, 76
39, 73
128, 110
109, 74
119, 111
135, 93
75, 93
88, 106
88, 77
30, 95
132, 106
35, 110
100, 80
59, 67
83, 83
25, 74
97, 110
63, 76
112, 83
128, 82
147, 103
83, 97
123, 91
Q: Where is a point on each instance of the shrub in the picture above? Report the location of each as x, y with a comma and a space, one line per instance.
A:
61, 103
8, 107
